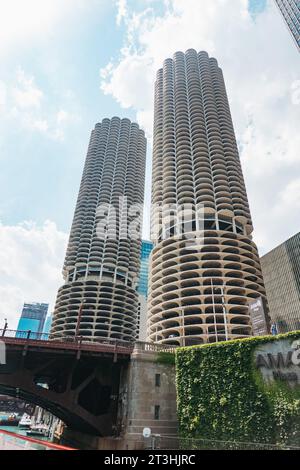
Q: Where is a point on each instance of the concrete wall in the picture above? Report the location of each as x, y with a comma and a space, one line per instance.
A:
138, 397
144, 395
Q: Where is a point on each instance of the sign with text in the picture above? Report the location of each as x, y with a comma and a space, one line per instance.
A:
258, 317
279, 360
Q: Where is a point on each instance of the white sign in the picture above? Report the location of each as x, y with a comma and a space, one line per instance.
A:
146, 432
279, 360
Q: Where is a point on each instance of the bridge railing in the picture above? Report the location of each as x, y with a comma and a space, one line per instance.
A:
78, 340
22, 334
83, 340
26, 334
12, 441
154, 347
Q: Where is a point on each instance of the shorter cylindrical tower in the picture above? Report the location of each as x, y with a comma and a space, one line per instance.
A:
99, 298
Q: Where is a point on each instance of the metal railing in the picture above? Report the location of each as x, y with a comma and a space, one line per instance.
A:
81, 341
73, 342
154, 347
28, 334
12, 441
174, 443
23, 334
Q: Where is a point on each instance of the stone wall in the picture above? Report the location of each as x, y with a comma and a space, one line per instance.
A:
147, 398
151, 396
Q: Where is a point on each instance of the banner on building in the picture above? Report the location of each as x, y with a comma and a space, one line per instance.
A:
257, 309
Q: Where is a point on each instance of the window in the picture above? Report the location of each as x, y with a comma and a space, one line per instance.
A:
157, 380
156, 412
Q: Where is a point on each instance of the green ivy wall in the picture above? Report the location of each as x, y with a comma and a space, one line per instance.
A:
222, 396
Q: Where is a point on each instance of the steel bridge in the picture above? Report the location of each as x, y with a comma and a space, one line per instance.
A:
76, 380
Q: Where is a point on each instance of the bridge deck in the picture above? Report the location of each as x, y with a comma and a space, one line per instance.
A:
34, 340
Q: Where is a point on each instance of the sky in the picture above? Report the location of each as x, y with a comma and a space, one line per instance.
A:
67, 64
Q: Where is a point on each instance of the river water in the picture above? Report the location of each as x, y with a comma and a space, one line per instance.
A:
21, 432
8, 442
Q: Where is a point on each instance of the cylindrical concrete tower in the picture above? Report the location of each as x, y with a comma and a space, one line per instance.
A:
199, 290
290, 10
99, 297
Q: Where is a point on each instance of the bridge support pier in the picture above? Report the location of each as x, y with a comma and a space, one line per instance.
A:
147, 398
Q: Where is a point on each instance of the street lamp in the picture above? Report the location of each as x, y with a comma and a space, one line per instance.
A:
214, 310
224, 312
223, 307
182, 328
5, 327
79, 317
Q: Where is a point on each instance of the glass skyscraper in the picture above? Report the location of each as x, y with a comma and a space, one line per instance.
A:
32, 319
142, 289
146, 249
47, 327
290, 10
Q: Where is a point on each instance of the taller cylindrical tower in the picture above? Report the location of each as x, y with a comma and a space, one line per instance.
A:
290, 10
199, 289
99, 297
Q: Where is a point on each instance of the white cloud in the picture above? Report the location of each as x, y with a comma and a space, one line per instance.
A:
22, 100
105, 72
280, 214
121, 11
289, 197
261, 69
30, 266
26, 94
65, 117
295, 92
22, 21
125, 82
39, 124
62, 116
2, 95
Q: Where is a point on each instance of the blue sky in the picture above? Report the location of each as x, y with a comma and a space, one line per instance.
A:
40, 173
257, 6
66, 64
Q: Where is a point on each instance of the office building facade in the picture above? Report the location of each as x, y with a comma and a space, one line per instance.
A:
281, 270
290, 10
32, 318
201, 279
146, 250
99, 298
47, 327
